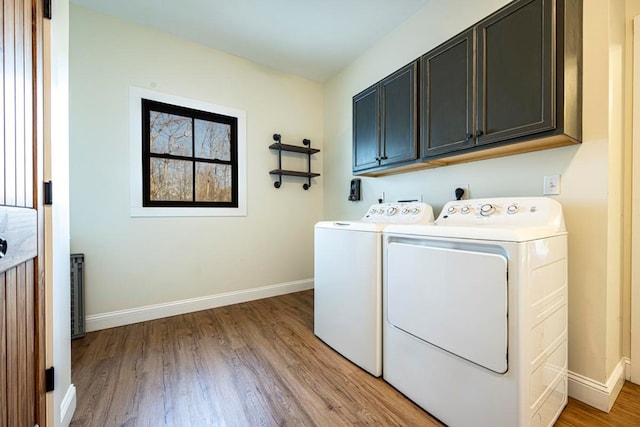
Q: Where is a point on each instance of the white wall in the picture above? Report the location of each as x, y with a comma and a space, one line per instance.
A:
61, 402
590, 171
136, 262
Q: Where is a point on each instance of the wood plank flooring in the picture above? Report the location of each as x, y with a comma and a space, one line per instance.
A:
251, 364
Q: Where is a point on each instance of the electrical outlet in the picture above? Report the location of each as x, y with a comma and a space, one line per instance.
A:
551, 185
464, 187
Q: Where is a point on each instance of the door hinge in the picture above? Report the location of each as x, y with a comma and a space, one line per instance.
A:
49, 379
48, 193
47, 9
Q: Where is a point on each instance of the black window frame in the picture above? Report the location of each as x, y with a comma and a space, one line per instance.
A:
149, 105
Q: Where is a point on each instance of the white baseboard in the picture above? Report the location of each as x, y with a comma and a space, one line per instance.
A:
594, 393
68, 406
113, 319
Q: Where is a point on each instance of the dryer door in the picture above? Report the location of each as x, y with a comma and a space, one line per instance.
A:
454, 299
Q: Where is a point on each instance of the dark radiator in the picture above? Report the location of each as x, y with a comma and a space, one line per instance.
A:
77, 296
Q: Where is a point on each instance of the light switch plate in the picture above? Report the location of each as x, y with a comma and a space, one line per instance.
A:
551, 185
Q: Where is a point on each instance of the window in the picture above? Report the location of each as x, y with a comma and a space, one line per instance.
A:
187, 157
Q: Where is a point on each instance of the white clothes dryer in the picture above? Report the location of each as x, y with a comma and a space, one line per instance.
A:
475, 312
348, 280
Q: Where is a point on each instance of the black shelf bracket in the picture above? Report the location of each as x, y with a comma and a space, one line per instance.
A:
305, 149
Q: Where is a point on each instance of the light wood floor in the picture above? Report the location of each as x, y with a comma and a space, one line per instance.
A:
252, 364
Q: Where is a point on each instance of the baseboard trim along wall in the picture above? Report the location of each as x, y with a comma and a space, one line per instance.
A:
68, 406
600, 396
113, 319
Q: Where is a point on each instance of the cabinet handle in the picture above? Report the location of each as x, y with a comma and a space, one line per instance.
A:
468, 136
384, 158
478, 133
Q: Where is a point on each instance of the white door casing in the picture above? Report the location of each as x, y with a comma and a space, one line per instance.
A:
635, 220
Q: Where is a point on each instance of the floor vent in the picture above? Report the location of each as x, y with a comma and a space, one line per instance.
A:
77, 296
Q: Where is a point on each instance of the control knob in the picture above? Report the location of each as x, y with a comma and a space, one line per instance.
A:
451, 210
465, 209
487, 209
512, 209
392, 211
415, 211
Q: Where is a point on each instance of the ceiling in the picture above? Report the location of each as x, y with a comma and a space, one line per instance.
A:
314, 39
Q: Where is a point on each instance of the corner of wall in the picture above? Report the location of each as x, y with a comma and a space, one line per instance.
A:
601, 396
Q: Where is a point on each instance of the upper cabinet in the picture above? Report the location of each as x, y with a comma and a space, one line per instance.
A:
366, 135
447, 95
510, 84
385, 131
515, 68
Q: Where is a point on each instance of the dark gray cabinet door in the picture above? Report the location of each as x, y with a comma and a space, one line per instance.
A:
515, 93
398, 116
446, 93
385, 131
366, 147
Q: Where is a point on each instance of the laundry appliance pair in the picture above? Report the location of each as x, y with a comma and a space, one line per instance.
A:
465, 315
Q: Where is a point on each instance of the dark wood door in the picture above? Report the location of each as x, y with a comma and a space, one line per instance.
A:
398, 116
366, 136
515, 94
446, 97
22, 390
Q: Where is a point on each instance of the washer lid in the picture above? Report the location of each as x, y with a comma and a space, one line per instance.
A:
372, 227
381, 215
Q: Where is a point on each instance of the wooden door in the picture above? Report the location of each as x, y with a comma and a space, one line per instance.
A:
22, 389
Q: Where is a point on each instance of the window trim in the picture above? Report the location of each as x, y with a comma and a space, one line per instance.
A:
137, 209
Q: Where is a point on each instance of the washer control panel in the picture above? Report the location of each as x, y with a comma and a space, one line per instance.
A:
400, 212
503, 211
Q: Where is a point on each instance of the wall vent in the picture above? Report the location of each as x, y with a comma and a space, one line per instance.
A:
77, 296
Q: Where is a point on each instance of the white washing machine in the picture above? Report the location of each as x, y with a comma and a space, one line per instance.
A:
348, 280
475, 310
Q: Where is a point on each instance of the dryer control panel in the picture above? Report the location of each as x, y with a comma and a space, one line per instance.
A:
503, 212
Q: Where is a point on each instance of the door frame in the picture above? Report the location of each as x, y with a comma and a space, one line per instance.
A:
635, 217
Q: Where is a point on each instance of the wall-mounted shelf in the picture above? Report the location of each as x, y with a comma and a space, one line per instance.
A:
278, 145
